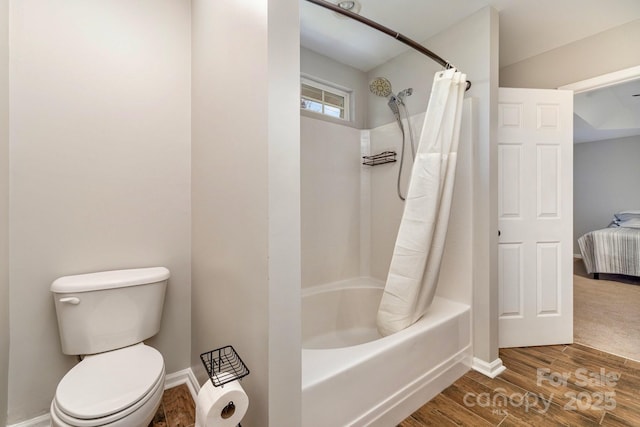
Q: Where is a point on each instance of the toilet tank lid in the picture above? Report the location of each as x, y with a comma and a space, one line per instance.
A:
109, 280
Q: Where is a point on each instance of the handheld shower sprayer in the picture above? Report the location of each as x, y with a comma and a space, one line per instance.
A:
393, 103
382, 87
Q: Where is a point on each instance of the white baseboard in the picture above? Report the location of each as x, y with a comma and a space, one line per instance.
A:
490, 370
184, 376
41, 421
577, 256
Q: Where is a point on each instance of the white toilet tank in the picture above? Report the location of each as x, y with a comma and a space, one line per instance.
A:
104, 311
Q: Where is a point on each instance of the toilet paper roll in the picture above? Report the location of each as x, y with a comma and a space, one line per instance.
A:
221, 406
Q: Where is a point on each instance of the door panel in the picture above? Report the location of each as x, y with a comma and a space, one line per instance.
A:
535, 208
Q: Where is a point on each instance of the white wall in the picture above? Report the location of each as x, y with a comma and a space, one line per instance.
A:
330, 201
605, 177
100, 164
331, 71
472, 45
386, 206
246, 196
4, 208
606, 52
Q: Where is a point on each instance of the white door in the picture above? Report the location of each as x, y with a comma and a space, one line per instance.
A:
535, 210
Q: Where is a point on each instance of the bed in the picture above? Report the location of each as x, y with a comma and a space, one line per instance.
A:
615, 249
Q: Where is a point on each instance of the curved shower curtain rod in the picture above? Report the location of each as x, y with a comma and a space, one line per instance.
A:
388, 31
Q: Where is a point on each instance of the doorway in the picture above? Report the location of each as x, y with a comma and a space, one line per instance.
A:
606, 178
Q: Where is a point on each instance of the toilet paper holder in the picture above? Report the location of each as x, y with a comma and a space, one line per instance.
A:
224, 365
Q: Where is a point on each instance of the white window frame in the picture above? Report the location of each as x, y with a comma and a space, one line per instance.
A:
331, 88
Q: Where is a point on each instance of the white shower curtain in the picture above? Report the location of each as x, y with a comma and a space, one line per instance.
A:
415, 265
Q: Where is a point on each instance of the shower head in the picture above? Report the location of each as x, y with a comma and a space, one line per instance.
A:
380, 87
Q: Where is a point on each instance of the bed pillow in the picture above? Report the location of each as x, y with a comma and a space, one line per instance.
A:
625, 215
630, 223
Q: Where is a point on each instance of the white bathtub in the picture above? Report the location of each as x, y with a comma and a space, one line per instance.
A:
351, 376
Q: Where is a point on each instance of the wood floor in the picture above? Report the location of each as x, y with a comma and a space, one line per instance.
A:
176, 410
569, 385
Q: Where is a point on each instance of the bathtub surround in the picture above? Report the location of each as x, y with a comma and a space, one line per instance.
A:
365, 206
323, 369
100, 161
417, 256
330, 170
330, 201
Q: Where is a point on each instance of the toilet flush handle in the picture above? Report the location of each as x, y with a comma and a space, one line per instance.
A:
70, 300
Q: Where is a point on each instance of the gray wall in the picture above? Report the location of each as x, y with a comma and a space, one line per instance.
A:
4, 208
606, 180
246, 198
611, 50
327, 69
100, 158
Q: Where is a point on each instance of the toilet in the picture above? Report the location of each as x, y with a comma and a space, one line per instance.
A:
104, 318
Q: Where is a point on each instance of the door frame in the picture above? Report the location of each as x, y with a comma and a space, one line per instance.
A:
604, 80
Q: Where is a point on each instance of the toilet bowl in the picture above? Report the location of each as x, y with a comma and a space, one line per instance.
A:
116, 389
107, 316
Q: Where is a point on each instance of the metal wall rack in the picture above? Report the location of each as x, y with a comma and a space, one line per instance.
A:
223, 365
379, 159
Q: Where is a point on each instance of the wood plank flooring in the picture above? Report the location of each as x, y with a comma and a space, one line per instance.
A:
176, 410
569, 385
600, 389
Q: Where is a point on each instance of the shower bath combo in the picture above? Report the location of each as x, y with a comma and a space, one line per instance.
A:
380, 380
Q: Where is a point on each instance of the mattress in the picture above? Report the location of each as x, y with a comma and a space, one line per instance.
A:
612, 250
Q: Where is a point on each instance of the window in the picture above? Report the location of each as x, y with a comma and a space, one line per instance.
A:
324, 99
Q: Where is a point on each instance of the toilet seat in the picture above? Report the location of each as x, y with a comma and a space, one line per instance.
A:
107, 387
